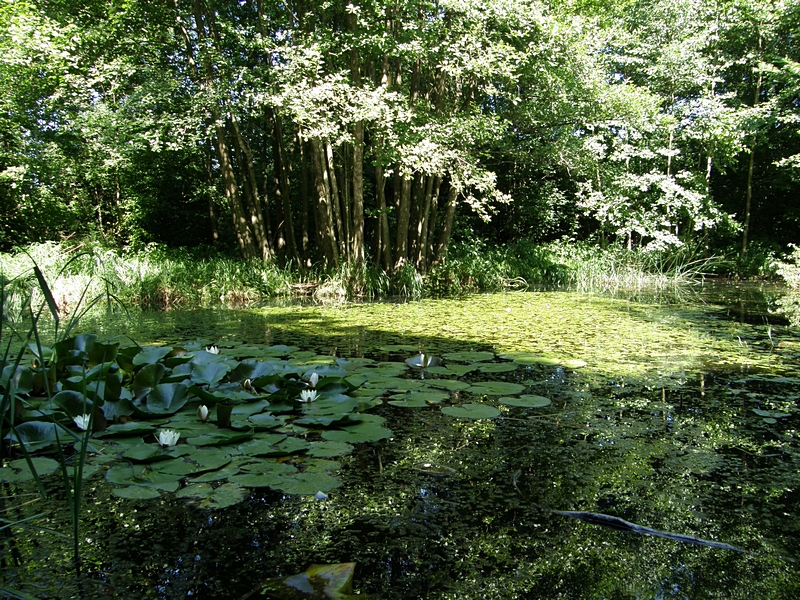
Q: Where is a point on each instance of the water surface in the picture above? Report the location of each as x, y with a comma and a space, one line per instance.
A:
684, 420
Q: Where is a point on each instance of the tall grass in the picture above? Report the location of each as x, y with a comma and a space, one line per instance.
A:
21, 338
155, 279
585, 267
159, 278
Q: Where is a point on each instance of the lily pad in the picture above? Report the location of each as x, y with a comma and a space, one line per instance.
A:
417, 399
210, 373
167, 398
147, 453
209, 497
263, 445
472, 411
452, 370
451, 385
364, 432
498, 367
220, 437
527, 401
134, 492
129, 428
147, 378
528, 358
496, 388
151, 355
318, 581
18, 470
308, 483
36, 435
329, 449
573, 364
469, 356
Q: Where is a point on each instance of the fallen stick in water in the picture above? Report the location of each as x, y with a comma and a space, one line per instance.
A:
623, 525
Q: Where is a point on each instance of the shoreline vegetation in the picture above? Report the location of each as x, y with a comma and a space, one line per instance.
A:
162, 278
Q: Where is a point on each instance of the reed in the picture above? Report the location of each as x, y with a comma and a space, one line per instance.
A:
160, 278
22, 331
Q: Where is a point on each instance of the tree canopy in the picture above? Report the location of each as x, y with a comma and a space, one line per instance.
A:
373, 132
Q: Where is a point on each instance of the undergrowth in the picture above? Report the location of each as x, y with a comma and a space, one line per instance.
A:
160, 278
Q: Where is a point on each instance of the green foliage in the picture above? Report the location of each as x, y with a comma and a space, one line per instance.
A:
788, 268
633, 126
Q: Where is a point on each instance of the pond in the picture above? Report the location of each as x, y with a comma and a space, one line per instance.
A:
559, 436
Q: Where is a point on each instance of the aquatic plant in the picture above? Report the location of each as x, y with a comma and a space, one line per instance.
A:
144, 401
19, 382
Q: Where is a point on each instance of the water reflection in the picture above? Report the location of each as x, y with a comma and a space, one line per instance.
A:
674, 425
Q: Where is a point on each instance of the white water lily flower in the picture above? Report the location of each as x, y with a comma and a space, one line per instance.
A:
202, 413
82, 421
308, 395
212, 349
168, 437
313, 380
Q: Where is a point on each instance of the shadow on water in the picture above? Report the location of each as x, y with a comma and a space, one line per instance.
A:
684, 420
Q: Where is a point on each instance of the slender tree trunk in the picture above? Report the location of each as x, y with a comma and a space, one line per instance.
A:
384, 250
403, 219
325, 225
358, 194
212, 215
344, 177
244, 236
241, 228
357, 237
431, 187
417, 201
334, 197
304, 204
447, 225
281, 166
751, 163
259, 222
432, 220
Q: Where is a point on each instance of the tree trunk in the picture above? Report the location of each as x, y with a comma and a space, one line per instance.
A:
244, 236
749, 192
282, 174
259, 222
357, 229
384, 249
447, 225
241, 228
358, 194
403, 218
325, 225
212, 215
431, 188
333, 188
304, 204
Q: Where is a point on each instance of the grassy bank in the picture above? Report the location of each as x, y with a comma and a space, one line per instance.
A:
161, 279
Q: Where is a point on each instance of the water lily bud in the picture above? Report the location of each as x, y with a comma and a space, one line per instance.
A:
202, 413
247, 384
313, 380
320, 496
168, 437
